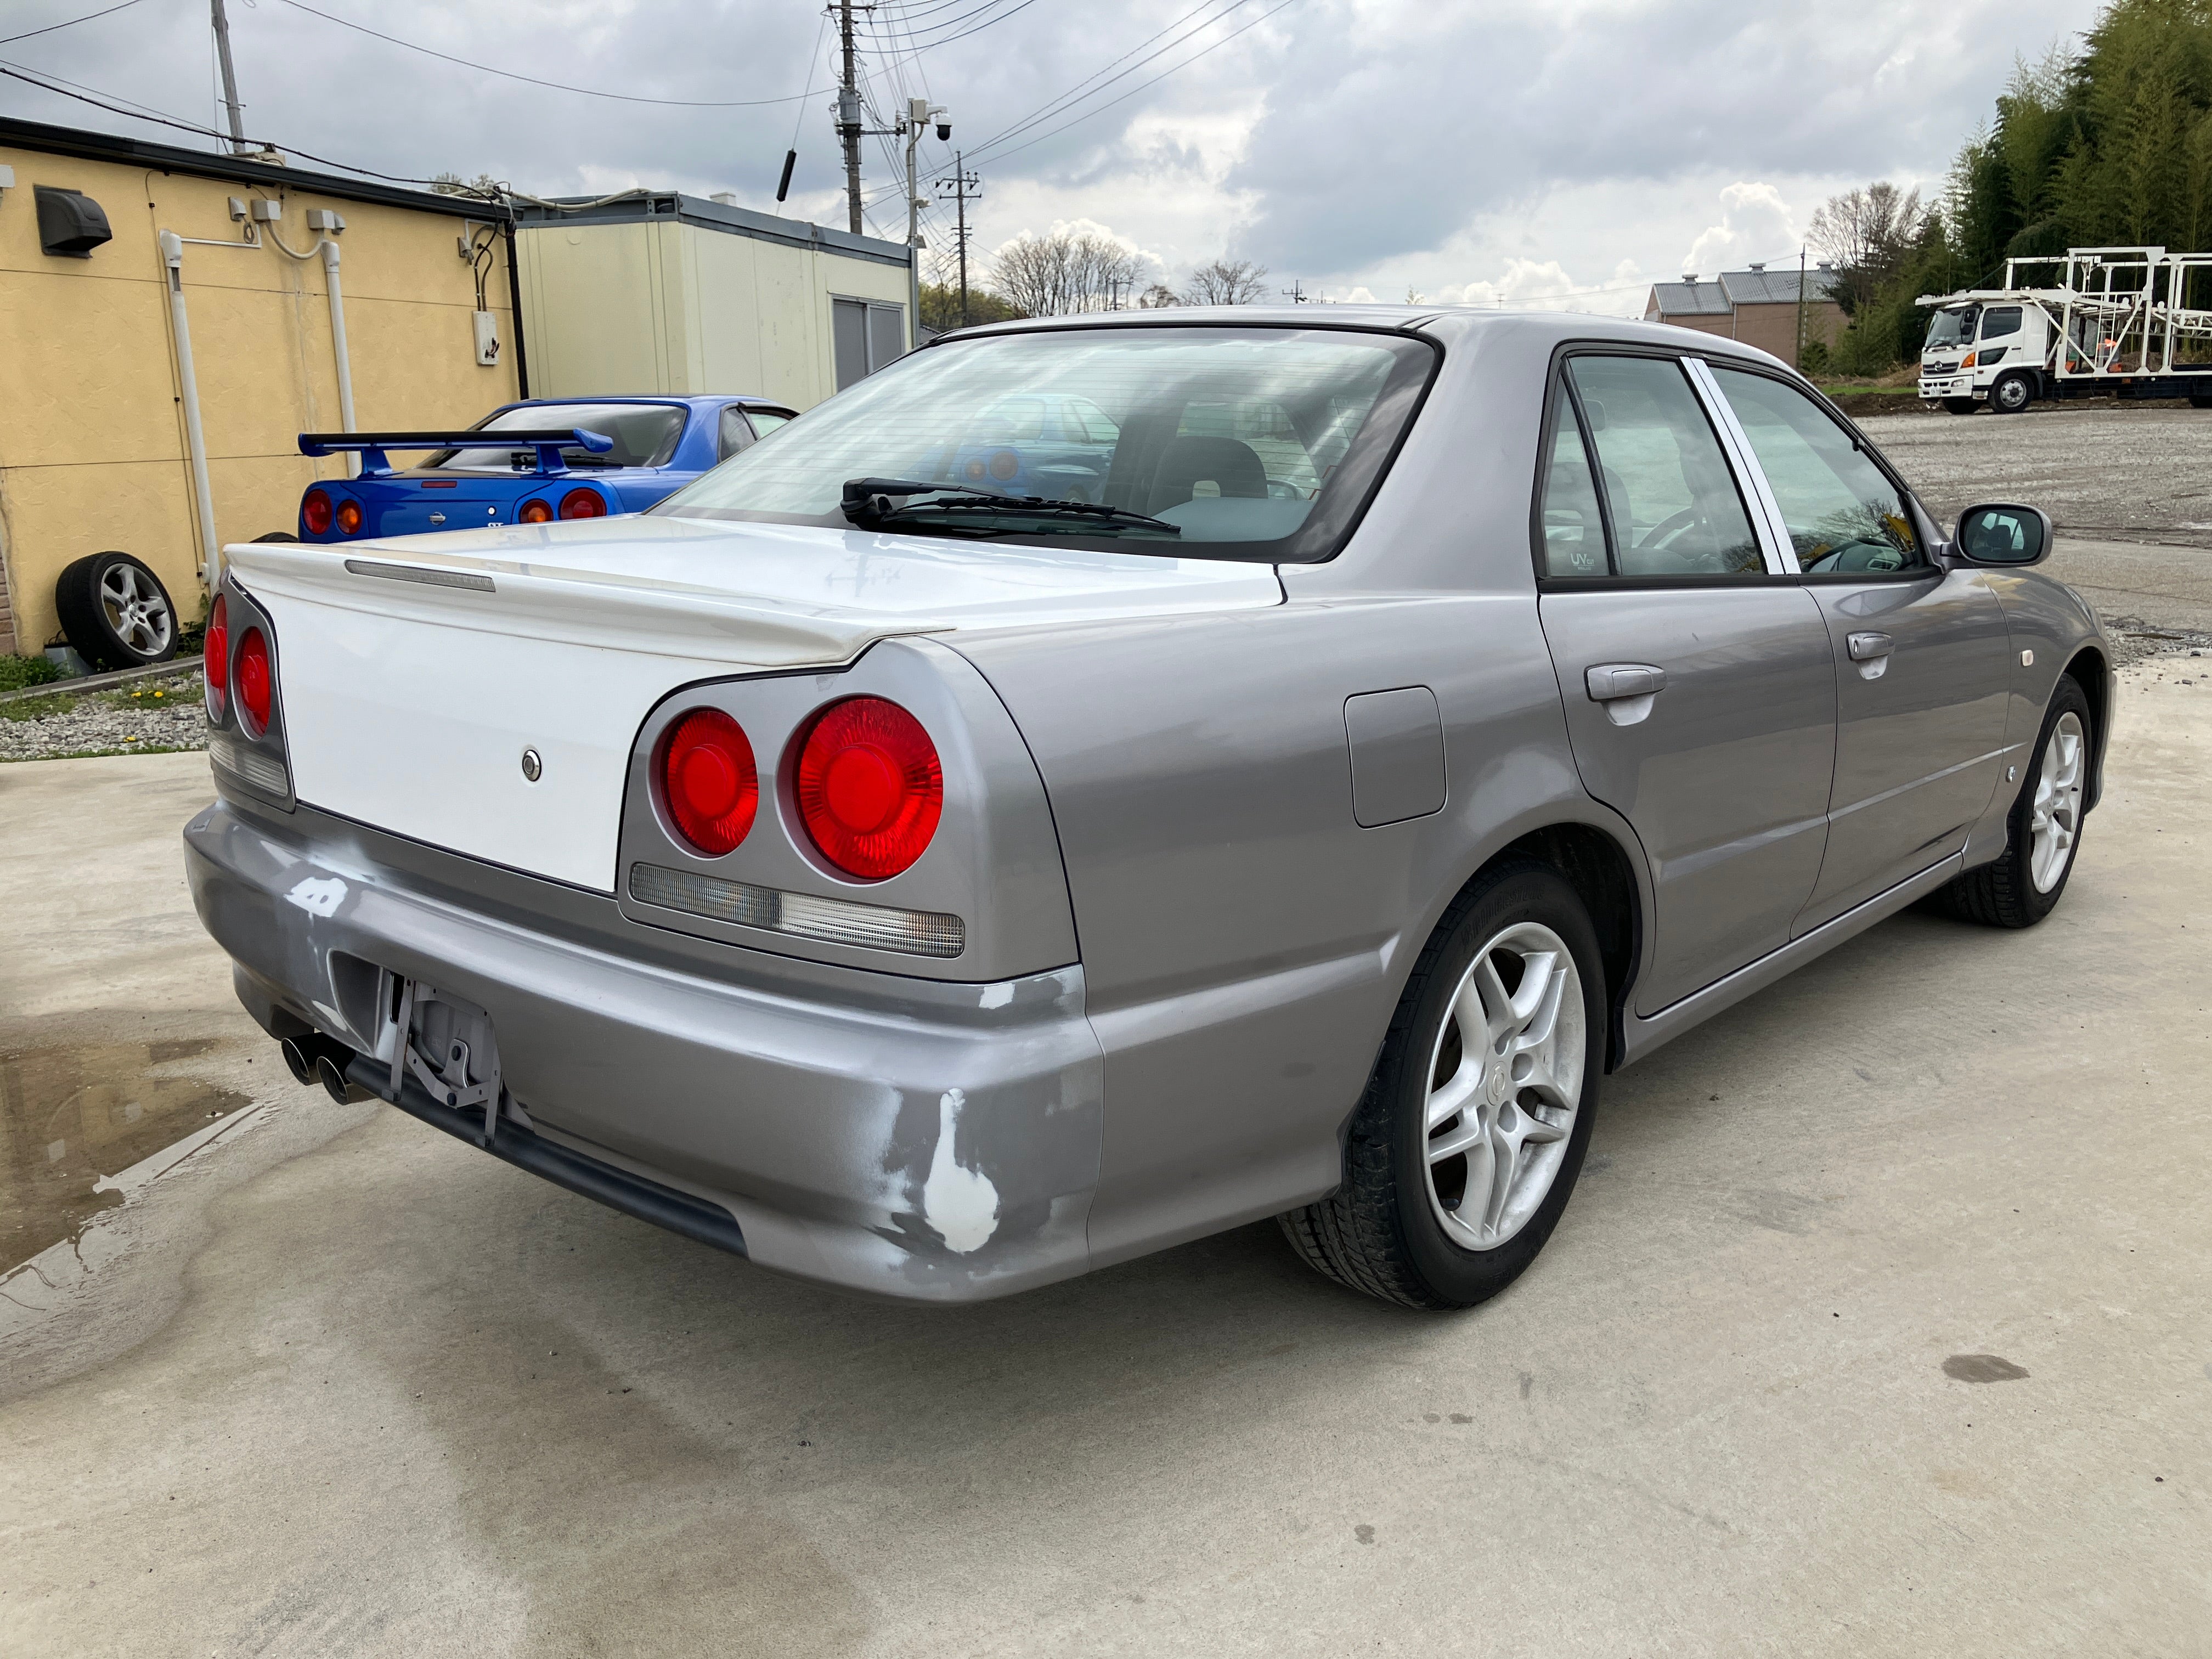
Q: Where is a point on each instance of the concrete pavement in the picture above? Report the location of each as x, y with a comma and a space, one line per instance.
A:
1882, 1323
2125, 472
2140, 588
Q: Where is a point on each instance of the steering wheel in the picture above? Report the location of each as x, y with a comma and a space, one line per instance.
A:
1669, 528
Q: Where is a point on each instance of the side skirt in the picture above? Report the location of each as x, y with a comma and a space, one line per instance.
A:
1642, 1036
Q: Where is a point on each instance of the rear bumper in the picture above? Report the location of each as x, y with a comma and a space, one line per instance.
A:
915, 1139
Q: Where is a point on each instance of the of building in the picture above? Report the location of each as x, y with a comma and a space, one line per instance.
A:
1757, 306
655, 291
108, 244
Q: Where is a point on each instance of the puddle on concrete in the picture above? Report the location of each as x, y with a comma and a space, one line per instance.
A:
69, 1116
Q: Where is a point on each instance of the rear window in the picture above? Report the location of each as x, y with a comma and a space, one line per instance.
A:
1200, 442
644, 434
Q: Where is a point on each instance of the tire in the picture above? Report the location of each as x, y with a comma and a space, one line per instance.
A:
1960, 405
115, 613
278, 536
1423, 1231
2018, 889
2012, 394
2198, 400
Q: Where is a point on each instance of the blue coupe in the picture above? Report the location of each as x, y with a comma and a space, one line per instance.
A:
530, 462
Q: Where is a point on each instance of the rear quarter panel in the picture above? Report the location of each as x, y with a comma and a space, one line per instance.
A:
1244, 940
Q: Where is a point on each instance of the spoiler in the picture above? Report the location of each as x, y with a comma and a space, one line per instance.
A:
374, 463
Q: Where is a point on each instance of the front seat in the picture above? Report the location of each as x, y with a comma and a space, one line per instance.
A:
1231, 465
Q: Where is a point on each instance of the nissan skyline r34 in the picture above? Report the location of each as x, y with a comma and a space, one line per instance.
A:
528, 463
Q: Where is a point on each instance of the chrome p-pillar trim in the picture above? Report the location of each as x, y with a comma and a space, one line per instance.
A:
1780, 552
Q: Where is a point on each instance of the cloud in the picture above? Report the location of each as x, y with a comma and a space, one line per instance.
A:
1524, 279
1152, 267
1344, 144
1528, 283
1392, 128
1756, 224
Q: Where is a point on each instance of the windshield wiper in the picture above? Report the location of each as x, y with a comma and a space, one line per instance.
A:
867, 500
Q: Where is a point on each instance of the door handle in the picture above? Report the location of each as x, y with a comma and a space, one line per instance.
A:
1624, 689
1870, 651
1611, 680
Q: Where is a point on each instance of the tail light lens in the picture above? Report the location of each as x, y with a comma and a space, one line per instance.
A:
1004, 464
255, 682
583, 504
349, 516
535, 512
710, 782
868, 786
315, 513
215, 660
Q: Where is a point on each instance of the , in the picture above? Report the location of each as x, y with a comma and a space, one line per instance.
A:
1101, 781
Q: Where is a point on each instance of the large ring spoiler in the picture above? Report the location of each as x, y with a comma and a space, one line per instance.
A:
375, 462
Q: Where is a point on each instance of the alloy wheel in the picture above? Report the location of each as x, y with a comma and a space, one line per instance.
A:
2055, 814
140, 619
1505, 1081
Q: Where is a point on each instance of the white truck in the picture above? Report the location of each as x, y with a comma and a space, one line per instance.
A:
2128, 322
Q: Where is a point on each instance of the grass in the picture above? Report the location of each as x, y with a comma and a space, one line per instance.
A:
35, 708
18, 673
164, 691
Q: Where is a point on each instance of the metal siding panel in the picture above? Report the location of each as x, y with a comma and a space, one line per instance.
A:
733, 323
688, 353
594, 336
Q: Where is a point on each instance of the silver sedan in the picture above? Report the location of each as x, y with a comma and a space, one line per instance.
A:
924, 864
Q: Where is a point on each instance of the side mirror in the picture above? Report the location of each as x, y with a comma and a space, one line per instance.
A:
2001, 533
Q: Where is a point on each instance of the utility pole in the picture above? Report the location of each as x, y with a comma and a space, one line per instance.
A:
964, 187
851, 127
1296, 293
918, 112
230, 103
849, 114
1797, 362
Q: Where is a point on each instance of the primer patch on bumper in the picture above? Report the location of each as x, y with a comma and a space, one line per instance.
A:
960, 1203
319, 897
